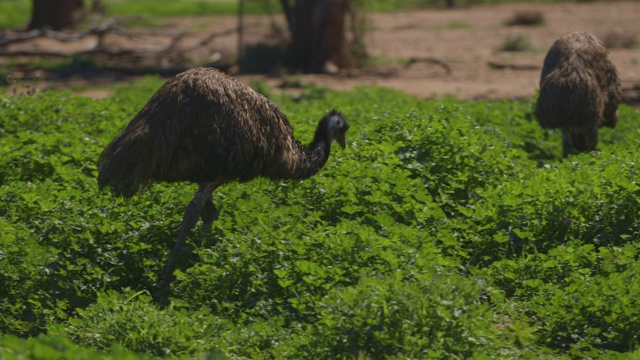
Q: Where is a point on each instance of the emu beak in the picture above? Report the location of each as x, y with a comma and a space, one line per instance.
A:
340, 139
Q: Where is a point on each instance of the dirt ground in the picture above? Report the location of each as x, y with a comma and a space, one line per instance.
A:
467, 39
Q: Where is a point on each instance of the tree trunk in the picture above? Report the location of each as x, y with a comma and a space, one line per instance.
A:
288, 13
318, 31
55, 14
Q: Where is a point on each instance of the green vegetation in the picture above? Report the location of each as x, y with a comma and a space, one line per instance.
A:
446, 229
517, 42
189, 8
55, 347
16, 13
452, 25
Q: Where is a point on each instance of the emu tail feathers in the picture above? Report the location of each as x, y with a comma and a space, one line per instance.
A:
122, 169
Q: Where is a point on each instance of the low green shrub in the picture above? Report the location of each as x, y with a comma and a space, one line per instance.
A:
444, 229
45, 347
131, 320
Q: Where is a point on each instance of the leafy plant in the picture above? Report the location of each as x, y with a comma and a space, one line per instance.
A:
132, 321
516, 42
54, 347
445, 229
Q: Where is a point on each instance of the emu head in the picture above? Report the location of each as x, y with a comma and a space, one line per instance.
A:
335, 127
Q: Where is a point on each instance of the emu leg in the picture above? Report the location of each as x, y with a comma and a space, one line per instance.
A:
200, 206
582, 140
567, 142
589, 139
208, 214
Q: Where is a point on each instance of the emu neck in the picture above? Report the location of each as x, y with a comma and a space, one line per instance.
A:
311, 158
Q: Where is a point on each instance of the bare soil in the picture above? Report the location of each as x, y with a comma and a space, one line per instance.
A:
467, 39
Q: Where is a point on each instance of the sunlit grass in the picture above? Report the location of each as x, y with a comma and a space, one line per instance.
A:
165, 8
453, 25
456, 216
16, 13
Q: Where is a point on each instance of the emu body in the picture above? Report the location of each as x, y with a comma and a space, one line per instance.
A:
579, 91
205, 127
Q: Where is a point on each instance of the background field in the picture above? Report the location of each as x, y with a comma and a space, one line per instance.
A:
445, 229
448, 228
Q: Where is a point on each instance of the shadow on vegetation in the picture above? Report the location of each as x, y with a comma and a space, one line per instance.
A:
631, 95
200, 237
81, 68
538, 153
262, 58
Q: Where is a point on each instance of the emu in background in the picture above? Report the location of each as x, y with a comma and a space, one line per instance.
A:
579, 91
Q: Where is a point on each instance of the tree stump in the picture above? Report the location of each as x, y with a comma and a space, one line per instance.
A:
55, 14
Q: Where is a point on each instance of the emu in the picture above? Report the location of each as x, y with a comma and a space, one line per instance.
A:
204, 127
579, 91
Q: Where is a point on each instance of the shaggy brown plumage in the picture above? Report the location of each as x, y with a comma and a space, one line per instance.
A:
205, 127
579, 91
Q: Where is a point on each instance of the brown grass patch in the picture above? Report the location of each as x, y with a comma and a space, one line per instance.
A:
526, 18
619, 39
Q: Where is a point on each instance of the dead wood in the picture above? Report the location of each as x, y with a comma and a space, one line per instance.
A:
510, 66
431, 60
110, 25
171, 51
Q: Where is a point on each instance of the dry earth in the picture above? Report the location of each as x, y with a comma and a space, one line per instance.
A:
470, 38
466, 38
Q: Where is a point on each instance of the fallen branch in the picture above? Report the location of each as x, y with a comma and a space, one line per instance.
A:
169, 51
431, 60
110, 52
107, 26
212, 37
509, 66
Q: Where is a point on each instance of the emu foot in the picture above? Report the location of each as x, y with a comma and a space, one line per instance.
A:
209, 213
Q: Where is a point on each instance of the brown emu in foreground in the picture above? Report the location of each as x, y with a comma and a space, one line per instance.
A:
579, 91
204, 127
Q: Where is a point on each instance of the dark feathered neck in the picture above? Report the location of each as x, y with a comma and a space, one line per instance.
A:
301, 162
308, 160
311, 158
